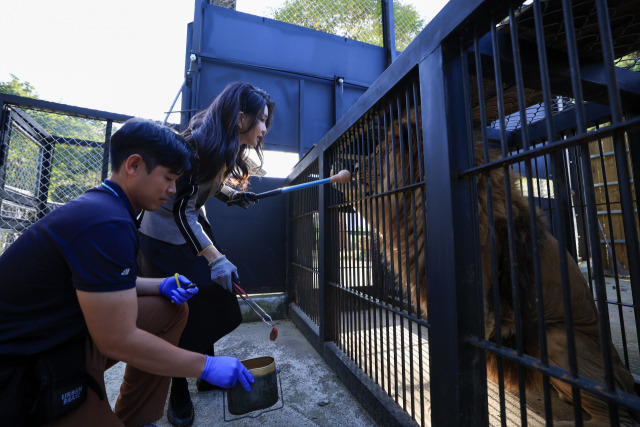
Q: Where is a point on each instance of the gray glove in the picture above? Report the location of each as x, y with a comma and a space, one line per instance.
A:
221, 272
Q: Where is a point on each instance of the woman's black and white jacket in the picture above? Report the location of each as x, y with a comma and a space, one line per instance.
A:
179, 220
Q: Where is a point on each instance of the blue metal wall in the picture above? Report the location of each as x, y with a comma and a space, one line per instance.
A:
299, 67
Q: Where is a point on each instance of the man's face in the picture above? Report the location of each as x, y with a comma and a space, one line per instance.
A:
153, 189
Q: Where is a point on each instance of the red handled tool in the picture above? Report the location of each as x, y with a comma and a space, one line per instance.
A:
257, 309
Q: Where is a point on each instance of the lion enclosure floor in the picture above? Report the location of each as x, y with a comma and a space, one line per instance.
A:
395, 354
627, 325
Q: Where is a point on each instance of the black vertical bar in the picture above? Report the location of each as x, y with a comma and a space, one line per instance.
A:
301, 115
355, 191
614, 259
289, 233
357, 271
366, 257
411, 216
495, 42
371, 247
196, 47
401, 216
376, 250
388, 31
5, 138
468, 114
395, 243
381, 243
622, 166
390, 298
542, 337
187, 89
532, 212
340, 263
592, 218
634, 151
324, 250
578, 203
105, 150
457, 369
338, 97
44, 175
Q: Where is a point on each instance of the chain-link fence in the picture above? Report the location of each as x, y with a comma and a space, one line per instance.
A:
355, 19
229, 4
48, 158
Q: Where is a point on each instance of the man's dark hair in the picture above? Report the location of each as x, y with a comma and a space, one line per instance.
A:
156, 144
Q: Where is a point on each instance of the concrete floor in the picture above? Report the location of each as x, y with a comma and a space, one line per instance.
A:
312, 394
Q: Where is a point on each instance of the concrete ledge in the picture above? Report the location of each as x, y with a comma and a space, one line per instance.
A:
275, 305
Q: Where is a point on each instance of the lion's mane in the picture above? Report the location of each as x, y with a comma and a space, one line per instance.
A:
397, 214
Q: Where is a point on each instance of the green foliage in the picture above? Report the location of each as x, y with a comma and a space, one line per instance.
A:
630, 61
355, 19
16, 87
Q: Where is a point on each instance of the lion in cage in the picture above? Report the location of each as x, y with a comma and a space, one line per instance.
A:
398, 219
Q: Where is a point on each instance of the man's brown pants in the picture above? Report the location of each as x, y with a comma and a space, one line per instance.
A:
142, 395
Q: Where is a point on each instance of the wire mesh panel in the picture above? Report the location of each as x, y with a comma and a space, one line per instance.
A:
48, 159
557, 209
355, 19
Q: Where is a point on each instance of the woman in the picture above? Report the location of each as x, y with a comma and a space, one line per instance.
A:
177, 237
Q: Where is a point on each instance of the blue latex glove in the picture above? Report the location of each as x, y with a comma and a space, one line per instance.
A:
243, 198
221, 272
178, 288
225, 372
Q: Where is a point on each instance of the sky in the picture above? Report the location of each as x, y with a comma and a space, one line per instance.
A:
120, 56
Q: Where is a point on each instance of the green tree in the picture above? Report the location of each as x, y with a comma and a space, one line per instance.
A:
355, 19
16, 87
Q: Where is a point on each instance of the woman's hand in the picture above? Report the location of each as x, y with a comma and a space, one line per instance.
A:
243, 199
222, 271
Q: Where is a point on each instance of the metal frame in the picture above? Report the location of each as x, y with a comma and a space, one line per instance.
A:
14, 115
473, 81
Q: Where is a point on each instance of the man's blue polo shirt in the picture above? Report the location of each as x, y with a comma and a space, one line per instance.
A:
89, 244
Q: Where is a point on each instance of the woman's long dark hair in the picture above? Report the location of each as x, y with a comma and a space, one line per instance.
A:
214, 135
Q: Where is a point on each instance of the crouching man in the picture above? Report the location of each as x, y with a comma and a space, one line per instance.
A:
71, 305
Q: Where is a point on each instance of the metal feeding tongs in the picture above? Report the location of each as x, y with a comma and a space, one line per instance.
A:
256, 308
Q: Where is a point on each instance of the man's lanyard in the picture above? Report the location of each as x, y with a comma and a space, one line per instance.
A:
105, 185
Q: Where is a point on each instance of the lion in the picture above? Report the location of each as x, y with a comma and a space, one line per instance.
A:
397, 212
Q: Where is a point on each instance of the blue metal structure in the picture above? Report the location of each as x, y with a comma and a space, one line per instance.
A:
314, 77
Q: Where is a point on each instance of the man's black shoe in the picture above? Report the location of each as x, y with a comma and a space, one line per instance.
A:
180, 412
203, 385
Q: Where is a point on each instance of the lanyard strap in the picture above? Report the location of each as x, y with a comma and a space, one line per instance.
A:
104, 184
